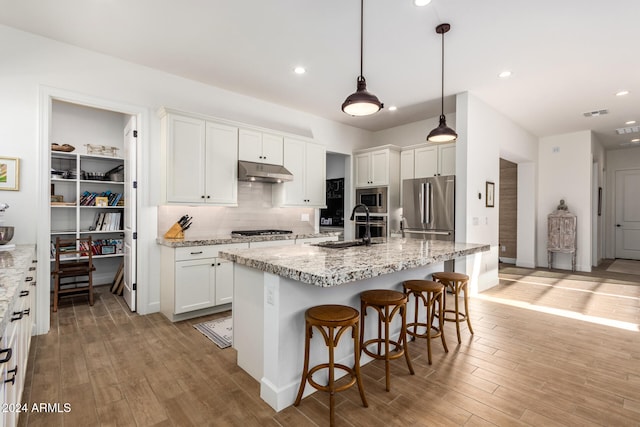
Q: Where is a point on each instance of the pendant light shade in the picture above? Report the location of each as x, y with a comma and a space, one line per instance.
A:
442, 133
361, 102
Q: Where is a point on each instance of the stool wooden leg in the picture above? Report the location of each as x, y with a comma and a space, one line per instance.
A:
456, 294
305, 369
466, 308
363, 313
441, 321
403, 338
356, 367
429, 308
386, 345
331, 384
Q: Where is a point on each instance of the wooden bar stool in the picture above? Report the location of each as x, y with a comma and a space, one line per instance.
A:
457, 283
430, 293
387, 303
327, 319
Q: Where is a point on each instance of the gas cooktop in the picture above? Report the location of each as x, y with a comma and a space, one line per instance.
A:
245, 233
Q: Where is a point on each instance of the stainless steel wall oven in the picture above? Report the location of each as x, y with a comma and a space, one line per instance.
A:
377, 226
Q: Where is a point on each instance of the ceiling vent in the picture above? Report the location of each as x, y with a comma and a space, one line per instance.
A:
627, 130
595, 113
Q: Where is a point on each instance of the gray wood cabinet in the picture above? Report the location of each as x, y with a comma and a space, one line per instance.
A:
561, 235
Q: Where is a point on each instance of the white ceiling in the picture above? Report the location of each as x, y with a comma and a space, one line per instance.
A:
567, 56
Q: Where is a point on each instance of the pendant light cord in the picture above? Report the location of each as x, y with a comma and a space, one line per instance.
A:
442, 75
361, 33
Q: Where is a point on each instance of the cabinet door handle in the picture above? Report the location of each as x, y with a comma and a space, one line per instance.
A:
24, 293
26, 311
34, 283
13, 371
196, 253
202, 197
33, 261
28, 279
17, 315
208, 197
8, 353
31, 268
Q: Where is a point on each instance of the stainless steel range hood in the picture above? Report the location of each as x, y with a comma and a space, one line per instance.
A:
262, 172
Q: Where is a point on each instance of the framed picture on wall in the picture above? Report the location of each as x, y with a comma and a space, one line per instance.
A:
490, 194
9, 173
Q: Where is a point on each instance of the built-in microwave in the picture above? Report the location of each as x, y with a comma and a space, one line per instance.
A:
373, 198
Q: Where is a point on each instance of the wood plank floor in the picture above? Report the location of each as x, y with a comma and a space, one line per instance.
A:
562, 350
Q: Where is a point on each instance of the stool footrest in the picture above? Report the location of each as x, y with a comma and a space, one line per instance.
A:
327, 387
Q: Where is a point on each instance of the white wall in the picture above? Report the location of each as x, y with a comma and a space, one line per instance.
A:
485, 135
411, 133
564, 170
625, 158
32, 63
597, 178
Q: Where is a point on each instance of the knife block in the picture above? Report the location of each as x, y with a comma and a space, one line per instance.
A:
175, 232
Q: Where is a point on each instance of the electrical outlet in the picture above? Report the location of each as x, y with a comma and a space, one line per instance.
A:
304, 217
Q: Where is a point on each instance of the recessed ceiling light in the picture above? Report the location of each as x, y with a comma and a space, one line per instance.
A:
505, 74
421, 2
630, 122
622, 93
299, 70
393, 108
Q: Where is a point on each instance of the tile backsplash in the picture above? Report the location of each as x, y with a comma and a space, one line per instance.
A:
255, 211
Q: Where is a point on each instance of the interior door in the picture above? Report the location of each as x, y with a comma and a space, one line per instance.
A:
628, 214
130, 180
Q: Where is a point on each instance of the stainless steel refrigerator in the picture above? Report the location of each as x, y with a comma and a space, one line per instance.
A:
428, 208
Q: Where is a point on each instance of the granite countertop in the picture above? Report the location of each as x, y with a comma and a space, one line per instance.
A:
226, 239
328, 267
14, 268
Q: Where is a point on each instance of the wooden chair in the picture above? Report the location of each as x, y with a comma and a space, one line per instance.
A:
73, 260
430, 293
387, 303
332, 321
458, 284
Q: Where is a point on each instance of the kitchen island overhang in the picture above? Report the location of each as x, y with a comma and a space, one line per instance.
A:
273, 287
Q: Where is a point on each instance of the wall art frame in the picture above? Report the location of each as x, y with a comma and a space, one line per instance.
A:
490, 194
9, 173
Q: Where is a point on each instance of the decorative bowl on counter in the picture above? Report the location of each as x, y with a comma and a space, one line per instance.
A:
6, 234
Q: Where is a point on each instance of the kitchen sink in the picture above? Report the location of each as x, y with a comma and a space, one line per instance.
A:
342, 244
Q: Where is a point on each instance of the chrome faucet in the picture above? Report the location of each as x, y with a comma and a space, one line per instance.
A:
366, 239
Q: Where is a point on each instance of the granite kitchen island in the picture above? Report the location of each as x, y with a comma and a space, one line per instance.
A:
274, 286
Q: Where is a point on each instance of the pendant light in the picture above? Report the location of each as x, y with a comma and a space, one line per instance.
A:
361, 102
442, 133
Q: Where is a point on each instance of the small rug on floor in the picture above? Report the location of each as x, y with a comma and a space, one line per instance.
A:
220, 331
626, 266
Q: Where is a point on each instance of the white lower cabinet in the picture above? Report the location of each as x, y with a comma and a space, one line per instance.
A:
195, 281
14, 350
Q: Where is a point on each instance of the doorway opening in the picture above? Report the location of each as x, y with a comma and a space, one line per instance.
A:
508, 212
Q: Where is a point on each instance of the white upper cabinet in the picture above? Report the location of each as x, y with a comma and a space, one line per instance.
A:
307, 162
372, 168
200, 160
429, 160
260, 147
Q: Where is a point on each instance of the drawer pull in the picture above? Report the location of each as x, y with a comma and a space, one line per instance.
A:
28, 279
34, 283
33, 261
8, 352
26, 311
24, 293
31, 268
13, 371
17, 315
196, 253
